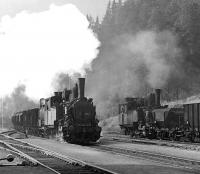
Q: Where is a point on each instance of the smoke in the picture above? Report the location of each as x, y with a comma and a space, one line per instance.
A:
110, 124
158, 52
16, 101
136, 63
37, 46
63, 81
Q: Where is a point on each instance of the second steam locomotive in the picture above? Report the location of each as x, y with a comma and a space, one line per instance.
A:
68, 112
146, 117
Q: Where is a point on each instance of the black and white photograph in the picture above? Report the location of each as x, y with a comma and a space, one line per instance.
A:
99, 86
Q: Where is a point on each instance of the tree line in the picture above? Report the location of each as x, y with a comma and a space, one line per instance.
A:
180, 17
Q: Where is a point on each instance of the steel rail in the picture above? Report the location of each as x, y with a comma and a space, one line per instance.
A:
65, 158
123, 138
151, 156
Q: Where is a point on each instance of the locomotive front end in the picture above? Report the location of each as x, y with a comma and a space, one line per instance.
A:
81, 125
86, 127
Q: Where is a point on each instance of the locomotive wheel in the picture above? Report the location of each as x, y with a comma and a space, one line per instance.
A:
69, 138
132, 134
176, 138
151, 136
192, 138
126, 132
171, 137
66, 138
162, 136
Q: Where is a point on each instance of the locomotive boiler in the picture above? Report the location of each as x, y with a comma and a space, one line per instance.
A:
134, 113
68, 113
146, 117
80, 124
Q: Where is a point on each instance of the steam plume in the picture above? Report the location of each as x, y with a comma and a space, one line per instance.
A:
36, 46
16, 101
136, 63
63, 81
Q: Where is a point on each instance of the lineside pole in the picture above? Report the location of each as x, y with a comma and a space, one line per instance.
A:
2, 113
69, 82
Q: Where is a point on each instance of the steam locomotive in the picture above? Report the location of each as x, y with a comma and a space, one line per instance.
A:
68, 113
145, 117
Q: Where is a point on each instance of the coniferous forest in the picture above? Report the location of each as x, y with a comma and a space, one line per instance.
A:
146, 44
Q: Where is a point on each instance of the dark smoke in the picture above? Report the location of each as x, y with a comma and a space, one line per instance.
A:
64, 80
17, 101
136, 64
145, 44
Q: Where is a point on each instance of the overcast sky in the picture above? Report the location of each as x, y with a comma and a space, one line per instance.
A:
12, 7
54, 38
41, 38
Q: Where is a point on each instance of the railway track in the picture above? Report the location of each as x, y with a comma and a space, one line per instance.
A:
58, 163
55, 162
168, 143
161, 158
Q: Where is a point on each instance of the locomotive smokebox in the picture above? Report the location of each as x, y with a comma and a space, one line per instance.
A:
81, 88
157, 93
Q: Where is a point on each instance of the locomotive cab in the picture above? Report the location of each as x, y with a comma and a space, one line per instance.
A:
130, 115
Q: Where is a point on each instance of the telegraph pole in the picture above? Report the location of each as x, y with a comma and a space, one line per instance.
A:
2, 113
69, 83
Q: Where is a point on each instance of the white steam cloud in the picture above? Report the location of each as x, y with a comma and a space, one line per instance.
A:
36, 46
137, 63
158, 52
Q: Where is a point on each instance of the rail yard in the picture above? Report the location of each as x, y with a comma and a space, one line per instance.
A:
105, 156
100, 87
53, 162
63, 136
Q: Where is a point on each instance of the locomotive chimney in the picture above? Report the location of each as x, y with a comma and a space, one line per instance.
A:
81, 87
157, 93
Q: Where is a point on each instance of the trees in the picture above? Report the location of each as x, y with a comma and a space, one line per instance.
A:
125, 20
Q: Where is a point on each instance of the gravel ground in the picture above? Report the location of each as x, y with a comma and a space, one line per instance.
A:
3, 130
117, 163
180, 145
18, 135
24, 170
15, 167
172, 151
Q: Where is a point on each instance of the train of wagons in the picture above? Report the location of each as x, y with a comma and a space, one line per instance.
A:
146, 117
68, 113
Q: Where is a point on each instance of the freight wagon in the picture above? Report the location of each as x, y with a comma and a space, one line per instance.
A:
26, 120
192, 120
